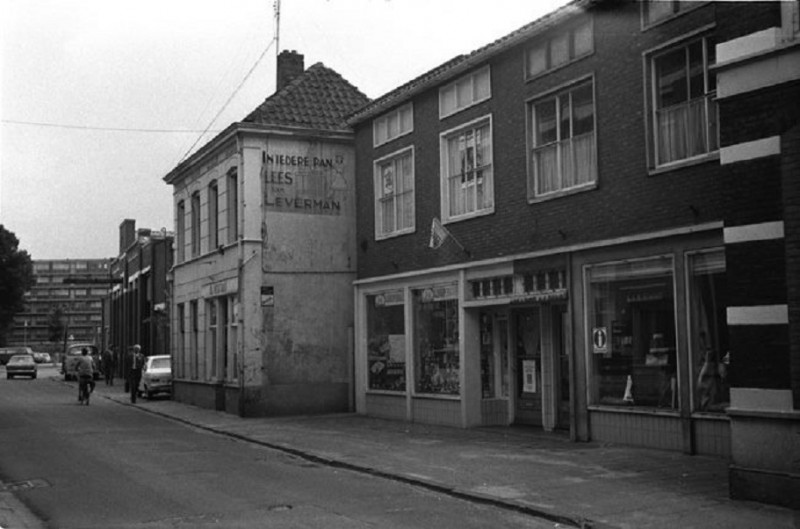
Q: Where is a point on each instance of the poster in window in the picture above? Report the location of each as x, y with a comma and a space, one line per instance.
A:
529, 376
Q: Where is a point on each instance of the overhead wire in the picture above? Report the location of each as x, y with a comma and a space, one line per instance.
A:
236, 91
90, 127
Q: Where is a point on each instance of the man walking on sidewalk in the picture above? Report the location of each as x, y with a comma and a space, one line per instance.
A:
137, 362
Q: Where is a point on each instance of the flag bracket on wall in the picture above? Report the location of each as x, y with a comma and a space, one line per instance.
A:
439, 234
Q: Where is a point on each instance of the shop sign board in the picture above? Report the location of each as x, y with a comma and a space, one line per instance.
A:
600, 340
529, 376
267, 296
221, 288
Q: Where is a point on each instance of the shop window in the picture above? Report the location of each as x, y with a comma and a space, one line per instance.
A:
386, 342
563, 153
631, 325
394, 194
467, 170
708, 331
684, 113
436, 345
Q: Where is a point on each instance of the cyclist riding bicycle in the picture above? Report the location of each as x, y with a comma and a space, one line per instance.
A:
85, 373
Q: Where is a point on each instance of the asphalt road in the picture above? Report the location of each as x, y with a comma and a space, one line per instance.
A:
113, 466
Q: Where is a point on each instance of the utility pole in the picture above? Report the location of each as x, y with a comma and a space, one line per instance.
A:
277, 6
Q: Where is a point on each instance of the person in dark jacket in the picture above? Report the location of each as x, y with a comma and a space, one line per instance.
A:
136, 363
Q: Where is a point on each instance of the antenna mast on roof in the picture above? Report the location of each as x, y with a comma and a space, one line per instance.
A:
277, 6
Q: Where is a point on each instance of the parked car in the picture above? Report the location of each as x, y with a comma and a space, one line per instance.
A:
71, 359
7, 352
21, 366
156, 376
42, 358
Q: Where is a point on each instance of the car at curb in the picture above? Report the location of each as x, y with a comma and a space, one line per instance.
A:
156, 376
21, 366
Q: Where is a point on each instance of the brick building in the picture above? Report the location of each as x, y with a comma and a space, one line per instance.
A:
555, 230
140, 293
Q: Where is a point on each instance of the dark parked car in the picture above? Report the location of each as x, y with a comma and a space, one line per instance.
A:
7, 352
21, 366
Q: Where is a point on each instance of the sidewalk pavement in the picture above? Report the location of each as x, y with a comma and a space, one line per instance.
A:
524, 469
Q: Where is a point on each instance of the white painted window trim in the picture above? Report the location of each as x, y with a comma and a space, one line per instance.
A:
443, 172
379, 235
473, 102
385, 117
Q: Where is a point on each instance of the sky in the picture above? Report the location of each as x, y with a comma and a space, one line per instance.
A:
100, 99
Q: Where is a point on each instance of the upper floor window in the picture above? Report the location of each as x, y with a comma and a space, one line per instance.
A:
684, 110
213, 216
393, 124
467, 170
559, 48
654, 11
180, 236
233, 205
469, 90
563, 154
394, 194
195, 224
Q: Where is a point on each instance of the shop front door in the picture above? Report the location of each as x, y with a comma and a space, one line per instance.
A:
528, 366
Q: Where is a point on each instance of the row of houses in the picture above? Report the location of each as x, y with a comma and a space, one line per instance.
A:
590, 224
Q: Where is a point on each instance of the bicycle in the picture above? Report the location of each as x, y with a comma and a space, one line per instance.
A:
84, 389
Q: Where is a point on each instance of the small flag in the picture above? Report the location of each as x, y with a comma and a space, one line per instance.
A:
438, 234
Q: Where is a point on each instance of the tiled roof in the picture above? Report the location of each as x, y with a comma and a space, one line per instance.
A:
458, 64
319, 98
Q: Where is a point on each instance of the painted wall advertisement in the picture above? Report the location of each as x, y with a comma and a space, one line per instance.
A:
307, 179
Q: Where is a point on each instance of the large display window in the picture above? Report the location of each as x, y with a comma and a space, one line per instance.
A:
436, 344
386, 342
631, 324
708, 330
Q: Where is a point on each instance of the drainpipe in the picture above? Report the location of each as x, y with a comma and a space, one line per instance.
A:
240, 341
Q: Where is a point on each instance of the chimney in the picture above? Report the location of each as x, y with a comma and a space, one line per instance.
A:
127, 234
290, 65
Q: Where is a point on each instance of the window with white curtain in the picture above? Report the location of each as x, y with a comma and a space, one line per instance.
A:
684, 112
394, 194
564, 156
467, 170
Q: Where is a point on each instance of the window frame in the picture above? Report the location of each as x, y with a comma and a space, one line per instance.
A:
545, 43
679, 8
213, 215
531, 121
377, 183
181, 230
444, 177
384, 119
454, 86
196, 221
649, 58
232, 203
